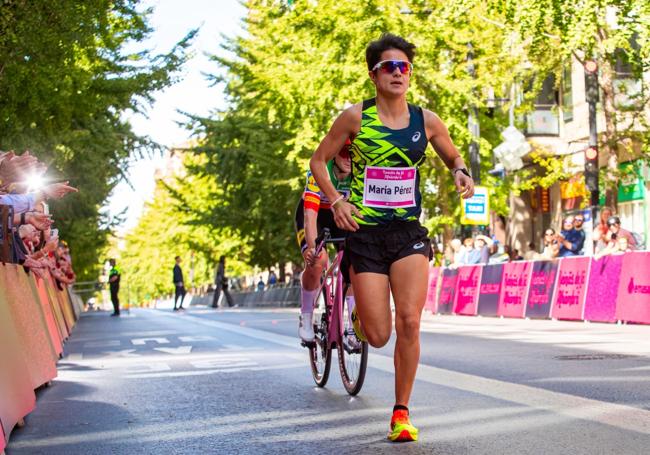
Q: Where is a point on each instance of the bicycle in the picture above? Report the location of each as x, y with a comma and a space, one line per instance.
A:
333, 327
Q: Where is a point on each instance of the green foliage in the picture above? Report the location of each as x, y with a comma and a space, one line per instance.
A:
167, 229
292, 74
67, 83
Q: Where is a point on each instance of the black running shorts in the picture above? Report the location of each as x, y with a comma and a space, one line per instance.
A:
375, 248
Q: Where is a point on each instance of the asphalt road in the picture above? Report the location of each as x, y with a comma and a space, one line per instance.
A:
237, 382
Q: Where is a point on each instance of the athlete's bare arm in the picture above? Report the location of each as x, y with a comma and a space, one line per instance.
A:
438, 136
346, 125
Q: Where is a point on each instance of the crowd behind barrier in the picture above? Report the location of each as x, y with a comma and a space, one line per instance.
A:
607, 289
36, 317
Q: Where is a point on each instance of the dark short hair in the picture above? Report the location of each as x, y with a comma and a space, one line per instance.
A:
177, 258
613, 220
385, 42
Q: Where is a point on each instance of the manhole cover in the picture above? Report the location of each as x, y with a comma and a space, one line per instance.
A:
594, 357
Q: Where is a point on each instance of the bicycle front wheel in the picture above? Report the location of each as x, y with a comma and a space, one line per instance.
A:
353, 355
320, 352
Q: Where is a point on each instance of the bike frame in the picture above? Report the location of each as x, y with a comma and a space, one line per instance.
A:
333, 287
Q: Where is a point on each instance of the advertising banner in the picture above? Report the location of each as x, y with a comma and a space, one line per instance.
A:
602, 291
447, 291
432, 291
476, 209
540, 292
488, 299
634, 288
514, 289
571, 288
469, 280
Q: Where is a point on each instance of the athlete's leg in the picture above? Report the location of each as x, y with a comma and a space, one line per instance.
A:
372, 301
310, 282
408, 278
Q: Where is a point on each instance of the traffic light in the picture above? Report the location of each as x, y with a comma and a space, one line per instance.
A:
591, 173
591, 81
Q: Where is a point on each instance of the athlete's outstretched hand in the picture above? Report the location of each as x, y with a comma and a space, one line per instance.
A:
343, 216
464, 185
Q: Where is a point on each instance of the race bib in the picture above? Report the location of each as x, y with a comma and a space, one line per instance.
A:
389, 187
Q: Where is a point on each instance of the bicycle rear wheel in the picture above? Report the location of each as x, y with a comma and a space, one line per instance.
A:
320, 352
353, 355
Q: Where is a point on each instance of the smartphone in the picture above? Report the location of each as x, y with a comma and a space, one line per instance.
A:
55, 233
46, 209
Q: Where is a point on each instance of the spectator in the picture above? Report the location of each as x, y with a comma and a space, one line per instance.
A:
601, 230
179, 284
221, 284
273, 279
260, 285
615, 232
114, 277
481, 245
551, 245
295, 274
571, 240
469, 254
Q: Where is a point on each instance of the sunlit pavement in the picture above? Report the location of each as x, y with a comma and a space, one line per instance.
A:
237, 381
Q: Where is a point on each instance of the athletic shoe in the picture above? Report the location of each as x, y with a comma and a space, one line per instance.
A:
306, 327
356, 325
401, 429
353, 342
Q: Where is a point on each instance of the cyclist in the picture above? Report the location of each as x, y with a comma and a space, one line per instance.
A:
387, 249
313, 214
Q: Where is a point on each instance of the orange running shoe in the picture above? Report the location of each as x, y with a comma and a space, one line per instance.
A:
401, 429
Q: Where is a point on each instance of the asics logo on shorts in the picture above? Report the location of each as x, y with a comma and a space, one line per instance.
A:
418, 245
416, 136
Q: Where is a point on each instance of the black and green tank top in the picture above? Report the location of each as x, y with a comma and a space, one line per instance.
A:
385, 175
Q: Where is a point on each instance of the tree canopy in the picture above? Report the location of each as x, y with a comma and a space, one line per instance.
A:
67, 82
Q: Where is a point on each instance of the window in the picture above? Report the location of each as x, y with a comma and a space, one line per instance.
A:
567, 93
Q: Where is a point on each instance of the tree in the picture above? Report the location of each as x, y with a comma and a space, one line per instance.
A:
296, 68
67, 82
616, 33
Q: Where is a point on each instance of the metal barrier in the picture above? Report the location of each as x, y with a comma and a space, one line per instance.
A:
276, 297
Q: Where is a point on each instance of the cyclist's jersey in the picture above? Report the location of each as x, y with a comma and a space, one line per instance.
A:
314, 199
385, 175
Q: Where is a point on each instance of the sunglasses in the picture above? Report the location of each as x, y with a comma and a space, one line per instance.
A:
389, 66
579, 220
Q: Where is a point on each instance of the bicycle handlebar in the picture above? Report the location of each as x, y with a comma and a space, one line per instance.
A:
324, 238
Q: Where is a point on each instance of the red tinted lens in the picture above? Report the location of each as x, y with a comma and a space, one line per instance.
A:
390, 65
344, 152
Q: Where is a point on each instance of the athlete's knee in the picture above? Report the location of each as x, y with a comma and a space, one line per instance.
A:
407, 326
378, 338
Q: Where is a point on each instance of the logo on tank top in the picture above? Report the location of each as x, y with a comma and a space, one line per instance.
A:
416, 136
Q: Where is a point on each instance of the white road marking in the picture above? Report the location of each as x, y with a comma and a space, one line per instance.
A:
615, 415
118, 354
223, 362
73, 357
175, 351
154, 367
143, 341
196, 338
213, 371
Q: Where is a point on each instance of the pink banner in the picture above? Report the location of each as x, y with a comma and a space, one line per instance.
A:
514, 289
432, 292
634, 288
469, 278
602, 292
571, 288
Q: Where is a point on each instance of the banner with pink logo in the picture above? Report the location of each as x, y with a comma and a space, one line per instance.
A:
571, 288
490, 290
602, 291
447, 291
432, 292
634, 288
469, 279
514, 289
540, 292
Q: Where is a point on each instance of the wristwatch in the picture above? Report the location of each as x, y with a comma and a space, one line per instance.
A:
461, 169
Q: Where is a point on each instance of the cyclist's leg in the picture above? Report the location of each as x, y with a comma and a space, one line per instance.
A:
409, 279
372, 301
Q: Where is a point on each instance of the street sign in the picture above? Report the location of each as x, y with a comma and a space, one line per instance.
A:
476, 210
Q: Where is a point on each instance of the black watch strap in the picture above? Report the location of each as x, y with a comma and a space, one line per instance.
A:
22, 218
463, 170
